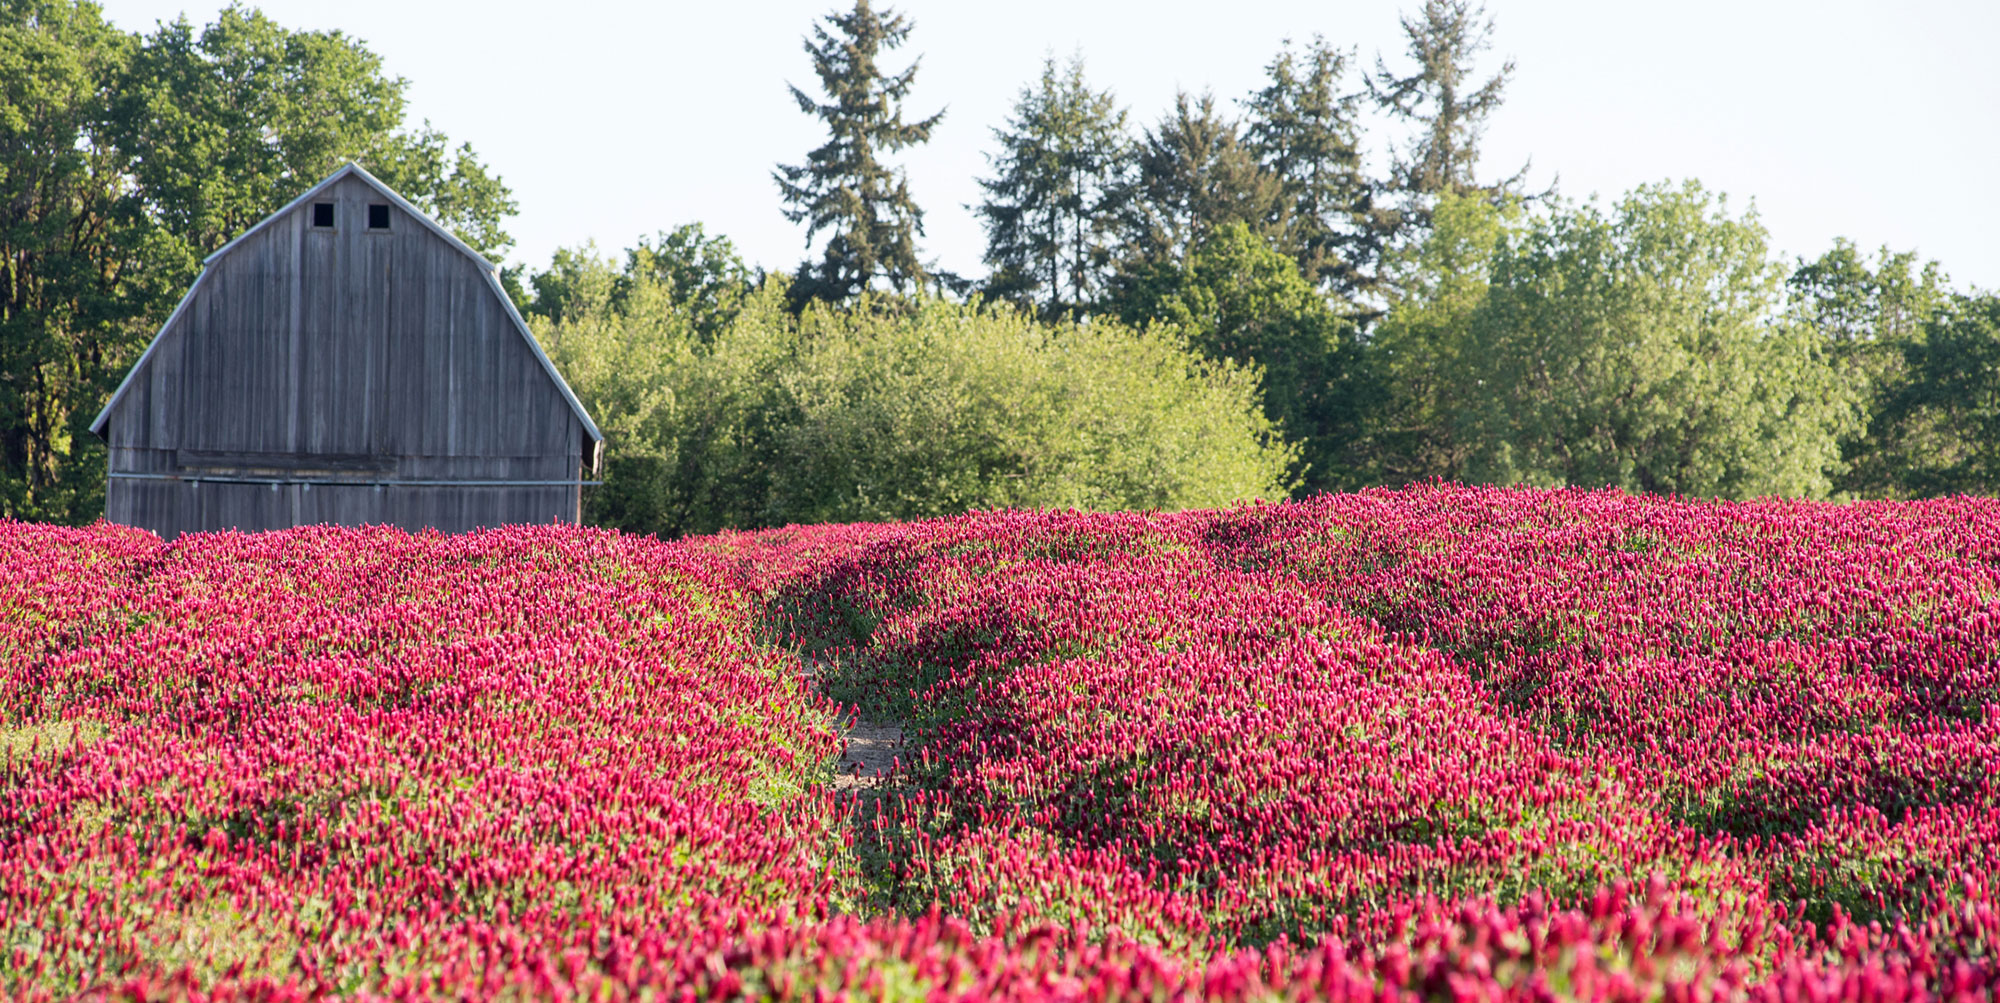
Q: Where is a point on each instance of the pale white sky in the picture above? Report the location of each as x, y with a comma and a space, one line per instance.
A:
1878, 121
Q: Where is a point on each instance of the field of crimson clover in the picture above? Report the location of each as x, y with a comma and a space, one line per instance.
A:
1438, 743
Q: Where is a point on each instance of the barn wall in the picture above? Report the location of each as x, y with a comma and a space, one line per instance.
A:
196, 506
308, 354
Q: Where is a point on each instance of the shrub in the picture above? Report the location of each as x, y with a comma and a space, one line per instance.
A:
895, 410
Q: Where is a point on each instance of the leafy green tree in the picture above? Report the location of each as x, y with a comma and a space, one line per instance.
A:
1445, 108
1238, 299
702, 274
1302, 129
1951, 399
450, 183
227, 123
1418, 353
1855, 306
77, 254
686, 414
1060, 183
844, 187
1647, 349
577, 280
1870, 318
1194, 177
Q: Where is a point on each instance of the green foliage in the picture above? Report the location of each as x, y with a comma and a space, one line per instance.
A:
703, 274
844, 187
683, 411
451, 184
1060, 183
1644, 349
1952, 395
1438, 100
1870, 318
227, 123
1302, 129
865, 413
1195, 176
75, 247
949, 408
577, 280
1239, 299
1418, 352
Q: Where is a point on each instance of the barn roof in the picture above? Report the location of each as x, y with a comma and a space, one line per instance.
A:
491, 271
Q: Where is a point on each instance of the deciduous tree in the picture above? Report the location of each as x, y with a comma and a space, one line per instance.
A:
1646, 348
78, 254
1237, 298
228, 122
1870, 316
1951, 399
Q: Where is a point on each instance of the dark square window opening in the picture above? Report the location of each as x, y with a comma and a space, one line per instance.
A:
378, 217
323, 214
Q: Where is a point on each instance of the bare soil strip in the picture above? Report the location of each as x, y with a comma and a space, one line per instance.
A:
872, 748
872, 745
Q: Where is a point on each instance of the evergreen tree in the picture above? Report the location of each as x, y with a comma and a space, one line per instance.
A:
1061, 178
844, 187
1195, 176
1441, 103
1302, 130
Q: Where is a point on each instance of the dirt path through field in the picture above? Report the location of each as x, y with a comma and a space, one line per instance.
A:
872, 748
872, 745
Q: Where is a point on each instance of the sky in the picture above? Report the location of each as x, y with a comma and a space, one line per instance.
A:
1876, 121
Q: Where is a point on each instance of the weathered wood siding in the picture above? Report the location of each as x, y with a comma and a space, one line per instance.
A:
310, 354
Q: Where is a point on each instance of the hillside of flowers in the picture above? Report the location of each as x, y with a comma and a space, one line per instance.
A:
1438, 744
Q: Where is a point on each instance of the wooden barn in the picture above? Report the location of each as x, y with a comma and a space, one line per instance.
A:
345, 361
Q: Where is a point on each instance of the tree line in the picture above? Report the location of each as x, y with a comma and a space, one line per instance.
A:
1241, 298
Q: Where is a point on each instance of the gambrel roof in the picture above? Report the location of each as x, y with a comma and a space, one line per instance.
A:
351, 169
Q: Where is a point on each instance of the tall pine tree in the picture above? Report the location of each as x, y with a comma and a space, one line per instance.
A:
1302, 129
1060, 181
844, 187
1195, 176
1440, 102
